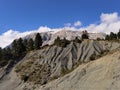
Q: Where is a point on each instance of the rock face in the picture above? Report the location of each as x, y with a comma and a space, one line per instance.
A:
46, 69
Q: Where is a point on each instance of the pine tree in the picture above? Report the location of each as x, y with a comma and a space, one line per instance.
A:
118, 34
61, 42
38, 41
25, 42
30, 45
57, 41
113, 36
64, 42
14, 49
6, 54
20, 46
107, 37
0, 53
77, 40
85, 35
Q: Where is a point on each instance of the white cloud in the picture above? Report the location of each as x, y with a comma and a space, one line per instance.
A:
78, 23
8, 37
68, 25
75, 24
109, 18
108, 23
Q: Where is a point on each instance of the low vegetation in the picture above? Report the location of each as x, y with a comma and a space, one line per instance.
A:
24, 78
36, 73
94, 56
64, 72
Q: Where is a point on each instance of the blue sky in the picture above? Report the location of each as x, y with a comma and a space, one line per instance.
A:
21, 17
25, 15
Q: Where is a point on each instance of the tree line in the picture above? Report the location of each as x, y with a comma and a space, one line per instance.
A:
64, 42
19, 48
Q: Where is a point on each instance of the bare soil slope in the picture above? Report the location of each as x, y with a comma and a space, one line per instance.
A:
102, 74
51, 68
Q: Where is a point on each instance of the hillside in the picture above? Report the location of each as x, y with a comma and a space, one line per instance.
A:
102, 74
57, 67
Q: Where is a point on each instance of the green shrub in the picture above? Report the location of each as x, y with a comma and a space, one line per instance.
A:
98, 39
92, 57
17, 69
24, 78
3, 63
104, 52
85, 35
61, 42
53, 78
77, 40
64, 72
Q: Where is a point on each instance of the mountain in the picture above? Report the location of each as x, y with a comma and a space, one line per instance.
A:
50, 36
89, 65
71, 64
